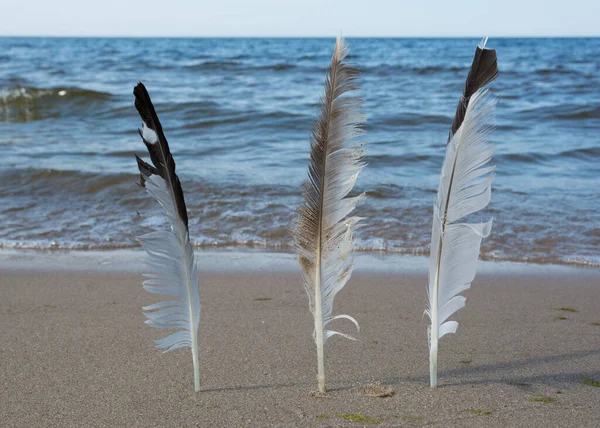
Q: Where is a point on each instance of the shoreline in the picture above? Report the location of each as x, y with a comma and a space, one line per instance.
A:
573, 261
235, 260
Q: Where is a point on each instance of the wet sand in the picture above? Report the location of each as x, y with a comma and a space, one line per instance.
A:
75, 351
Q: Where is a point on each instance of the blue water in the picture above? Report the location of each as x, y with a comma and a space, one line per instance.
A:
238, 113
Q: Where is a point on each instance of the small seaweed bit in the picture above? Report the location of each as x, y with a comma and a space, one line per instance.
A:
465, 361
376, 389
261, 299
560, 318
591, 382
410, 417
539, 398
566, 309
359, 417
515, 383
595, 323
477, 412
322, 416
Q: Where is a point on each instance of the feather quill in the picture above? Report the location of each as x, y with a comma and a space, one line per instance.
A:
465, 188
171, 257
323, 232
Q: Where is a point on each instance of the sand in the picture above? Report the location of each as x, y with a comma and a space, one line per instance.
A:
74, 349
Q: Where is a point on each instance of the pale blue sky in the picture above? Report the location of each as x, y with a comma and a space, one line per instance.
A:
355, 18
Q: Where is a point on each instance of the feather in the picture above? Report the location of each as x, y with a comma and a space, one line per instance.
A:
171, 258
465, 188
323, 232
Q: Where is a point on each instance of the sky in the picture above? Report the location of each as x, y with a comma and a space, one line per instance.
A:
300, 18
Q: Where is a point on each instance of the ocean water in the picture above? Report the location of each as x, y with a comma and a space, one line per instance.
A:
238, 113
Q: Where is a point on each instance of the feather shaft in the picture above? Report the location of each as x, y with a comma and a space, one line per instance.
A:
320, 341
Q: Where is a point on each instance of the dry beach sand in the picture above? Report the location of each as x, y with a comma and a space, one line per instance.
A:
74, 350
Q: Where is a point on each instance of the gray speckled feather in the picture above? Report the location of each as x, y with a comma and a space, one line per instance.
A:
323, 230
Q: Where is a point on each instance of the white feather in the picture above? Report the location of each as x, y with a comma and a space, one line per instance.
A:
174, 273
465, 188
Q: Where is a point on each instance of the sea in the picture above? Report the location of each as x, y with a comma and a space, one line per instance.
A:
238, 115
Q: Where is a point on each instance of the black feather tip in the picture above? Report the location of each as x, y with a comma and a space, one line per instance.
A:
160, 154
483, 70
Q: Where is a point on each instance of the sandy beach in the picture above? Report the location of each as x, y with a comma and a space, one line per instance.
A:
75, 350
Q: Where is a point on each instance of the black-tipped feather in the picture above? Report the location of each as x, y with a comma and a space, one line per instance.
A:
171, 262
161, 157
465, 189
483, 70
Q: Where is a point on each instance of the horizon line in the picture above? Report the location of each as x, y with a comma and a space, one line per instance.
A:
67, 36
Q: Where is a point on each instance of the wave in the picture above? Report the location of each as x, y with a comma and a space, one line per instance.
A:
588, 154
560, 71
567, 112
405, 159
579, 112
240, 56
277, 119
409, 119
51, 177
527, 158
39, 182
388, 69
213, 65
275, 67
193, 109
25, 104
230, 65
